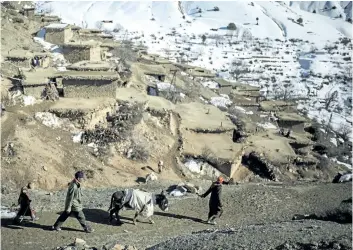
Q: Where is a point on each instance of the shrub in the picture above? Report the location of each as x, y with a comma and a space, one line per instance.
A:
231, 26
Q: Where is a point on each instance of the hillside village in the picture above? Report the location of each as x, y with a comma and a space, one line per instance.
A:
121, 104
129, 113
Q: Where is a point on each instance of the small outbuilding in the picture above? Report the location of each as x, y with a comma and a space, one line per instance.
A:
82, 51
292, 121
58, 33
89, 84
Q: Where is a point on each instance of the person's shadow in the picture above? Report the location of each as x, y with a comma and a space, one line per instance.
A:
9, 223
180, 217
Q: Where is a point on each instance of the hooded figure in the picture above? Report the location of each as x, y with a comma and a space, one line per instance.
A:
25, 205
215, 204
73, 204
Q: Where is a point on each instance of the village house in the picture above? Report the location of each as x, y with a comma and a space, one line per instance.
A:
225, 87
89, 84
27, 59
58, 33
291, 121
82, 51
28, 11
275, 106
34, 82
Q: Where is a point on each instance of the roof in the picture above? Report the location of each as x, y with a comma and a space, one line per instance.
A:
24, 54
223, 83
111, 44
88, 75
246, 87
39, 77
283, 116
273, 105
196, 73
151, 69
184, 66
57, 26
91, 65
83, 44
90, 31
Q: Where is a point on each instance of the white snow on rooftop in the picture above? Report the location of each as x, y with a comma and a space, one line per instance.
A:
56, 26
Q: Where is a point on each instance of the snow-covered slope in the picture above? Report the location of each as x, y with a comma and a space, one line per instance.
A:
276, 19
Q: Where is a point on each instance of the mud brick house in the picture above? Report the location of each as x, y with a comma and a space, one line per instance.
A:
28, 11
82, 51
58, 33
34, 82
89, 84
25, 58
291, 121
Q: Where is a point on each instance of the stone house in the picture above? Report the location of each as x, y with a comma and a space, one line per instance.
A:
28, 11
58, 33
27, 59
291, 121
82, 51
89, 84
34, 82
225, 87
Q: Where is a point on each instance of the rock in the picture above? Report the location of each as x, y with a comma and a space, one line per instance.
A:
118, 247
190, 188
45, 168
151, 177
79, 242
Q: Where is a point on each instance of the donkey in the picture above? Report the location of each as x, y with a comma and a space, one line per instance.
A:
140, 201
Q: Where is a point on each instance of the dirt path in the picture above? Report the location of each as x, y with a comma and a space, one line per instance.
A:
244, 205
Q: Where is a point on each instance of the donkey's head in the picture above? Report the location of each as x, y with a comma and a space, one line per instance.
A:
162, 201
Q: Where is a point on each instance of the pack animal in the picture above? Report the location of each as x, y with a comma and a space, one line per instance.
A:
133, 199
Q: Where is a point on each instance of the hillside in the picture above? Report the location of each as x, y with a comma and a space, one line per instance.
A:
308, 59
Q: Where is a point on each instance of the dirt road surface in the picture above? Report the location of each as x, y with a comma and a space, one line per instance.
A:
245, 206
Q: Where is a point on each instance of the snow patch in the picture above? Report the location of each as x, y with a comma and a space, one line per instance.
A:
211, 84
221, 101
6, 213
76, 138
266, 125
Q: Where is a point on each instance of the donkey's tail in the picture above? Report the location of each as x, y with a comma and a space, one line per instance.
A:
111, 203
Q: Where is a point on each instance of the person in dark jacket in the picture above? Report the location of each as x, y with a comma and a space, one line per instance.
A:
73, 204
25, 205
215, 204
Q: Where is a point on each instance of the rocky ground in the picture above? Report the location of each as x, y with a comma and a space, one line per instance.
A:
256, 216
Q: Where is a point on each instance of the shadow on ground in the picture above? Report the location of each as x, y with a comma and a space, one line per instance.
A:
178, 216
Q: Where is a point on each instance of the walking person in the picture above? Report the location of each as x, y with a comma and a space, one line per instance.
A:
25, 205
215, 203
73, 204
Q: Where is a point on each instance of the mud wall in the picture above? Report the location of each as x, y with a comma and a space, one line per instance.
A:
89, 88
295, 126
95, 54
36, 91
74, 55
58, 36
19, 62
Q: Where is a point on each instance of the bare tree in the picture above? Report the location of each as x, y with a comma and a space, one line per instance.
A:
344, 131
330, 97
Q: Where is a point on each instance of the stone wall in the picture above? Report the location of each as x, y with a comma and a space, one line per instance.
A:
58, 36
295, 126
89, 88
77, 54
20, 62
95, 54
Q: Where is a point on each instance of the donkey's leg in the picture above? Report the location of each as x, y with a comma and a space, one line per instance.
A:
117, 210
134, 220
150, 220
111, 214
